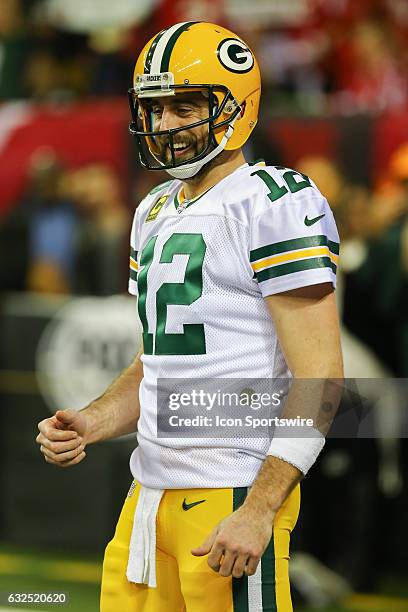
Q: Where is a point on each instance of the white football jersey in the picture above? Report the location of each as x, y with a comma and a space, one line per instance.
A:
201, 270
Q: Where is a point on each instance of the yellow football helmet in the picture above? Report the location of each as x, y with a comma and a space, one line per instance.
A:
191, 57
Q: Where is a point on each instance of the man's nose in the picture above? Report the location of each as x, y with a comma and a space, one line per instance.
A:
168, 120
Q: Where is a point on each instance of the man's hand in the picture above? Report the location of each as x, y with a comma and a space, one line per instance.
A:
238, 542
62, 438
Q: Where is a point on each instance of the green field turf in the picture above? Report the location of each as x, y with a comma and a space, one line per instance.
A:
37, 572
79, 577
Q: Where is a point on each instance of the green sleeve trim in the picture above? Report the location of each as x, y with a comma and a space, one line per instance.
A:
292, 245
295, 266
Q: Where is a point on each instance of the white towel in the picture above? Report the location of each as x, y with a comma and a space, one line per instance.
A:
141, 567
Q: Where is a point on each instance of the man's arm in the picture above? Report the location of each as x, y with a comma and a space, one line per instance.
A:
306, 323
307, 326
64, 436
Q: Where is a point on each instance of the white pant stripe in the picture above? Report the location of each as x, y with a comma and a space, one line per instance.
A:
255, 591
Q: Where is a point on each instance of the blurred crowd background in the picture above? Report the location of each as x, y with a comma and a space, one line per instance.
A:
334, 106
315, 55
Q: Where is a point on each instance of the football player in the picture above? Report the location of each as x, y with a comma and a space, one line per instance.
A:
234, 267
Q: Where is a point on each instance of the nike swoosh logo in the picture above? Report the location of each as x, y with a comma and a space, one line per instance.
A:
188, 506
310, 222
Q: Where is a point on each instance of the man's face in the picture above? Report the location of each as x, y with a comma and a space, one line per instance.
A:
174, 112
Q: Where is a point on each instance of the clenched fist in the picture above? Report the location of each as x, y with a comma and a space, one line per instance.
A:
62, 438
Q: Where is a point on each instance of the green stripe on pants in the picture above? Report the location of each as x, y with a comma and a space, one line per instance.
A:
240, 585
268, 578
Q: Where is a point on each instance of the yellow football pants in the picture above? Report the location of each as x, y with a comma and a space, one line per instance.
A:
186, 583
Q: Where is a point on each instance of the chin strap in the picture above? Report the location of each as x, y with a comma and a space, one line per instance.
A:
190, 170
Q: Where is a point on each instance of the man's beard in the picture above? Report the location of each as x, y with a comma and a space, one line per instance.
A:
193, 149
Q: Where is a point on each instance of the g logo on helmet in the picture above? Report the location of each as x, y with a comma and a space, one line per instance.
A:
235, 56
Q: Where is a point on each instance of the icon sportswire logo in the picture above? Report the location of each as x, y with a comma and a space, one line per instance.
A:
187, 506
310, 222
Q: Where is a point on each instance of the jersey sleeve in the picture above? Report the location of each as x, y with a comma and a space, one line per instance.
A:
133, 262
294, 242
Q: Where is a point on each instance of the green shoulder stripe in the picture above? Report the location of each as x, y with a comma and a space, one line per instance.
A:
133, 253
160, 187
295, 266
257, 161
293, 245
